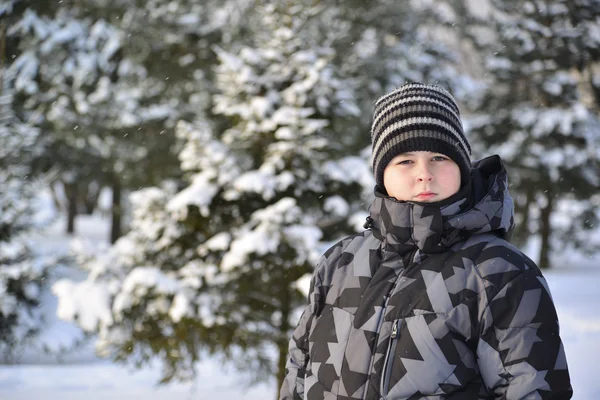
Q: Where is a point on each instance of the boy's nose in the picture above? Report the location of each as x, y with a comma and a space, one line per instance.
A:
424, 175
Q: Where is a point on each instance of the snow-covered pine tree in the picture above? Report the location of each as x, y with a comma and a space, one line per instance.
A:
172, 39
23, 273
535, 114
217, 265
100, 111
387, 43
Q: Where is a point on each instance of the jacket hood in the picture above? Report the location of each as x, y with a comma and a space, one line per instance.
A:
483, 206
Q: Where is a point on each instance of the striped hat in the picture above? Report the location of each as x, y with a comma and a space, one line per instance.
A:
416, 117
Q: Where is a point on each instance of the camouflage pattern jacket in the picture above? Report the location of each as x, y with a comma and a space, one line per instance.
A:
430, 303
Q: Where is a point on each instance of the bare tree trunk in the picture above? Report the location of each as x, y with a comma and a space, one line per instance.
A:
522, 232
2, 52
71, 194
546, 230
115, 229
90, 195
55, 200
526, 211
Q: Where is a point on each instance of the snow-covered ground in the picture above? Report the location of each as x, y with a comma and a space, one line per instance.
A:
104, 381
81, 375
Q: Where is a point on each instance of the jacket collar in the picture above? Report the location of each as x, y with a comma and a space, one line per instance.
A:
483, 206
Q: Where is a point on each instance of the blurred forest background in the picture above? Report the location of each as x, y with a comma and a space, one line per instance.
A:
233, 137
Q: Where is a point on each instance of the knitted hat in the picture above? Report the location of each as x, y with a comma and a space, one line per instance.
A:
418, 117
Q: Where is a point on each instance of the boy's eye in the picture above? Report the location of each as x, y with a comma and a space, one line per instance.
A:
403, 162
439, 158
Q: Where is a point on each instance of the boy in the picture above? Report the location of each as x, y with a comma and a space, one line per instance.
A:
431, 302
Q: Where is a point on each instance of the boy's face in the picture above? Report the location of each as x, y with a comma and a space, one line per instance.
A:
421, 176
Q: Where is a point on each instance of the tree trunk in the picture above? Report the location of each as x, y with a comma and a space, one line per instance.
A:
115, 229
522, 232
546, 230
55, 199
284, 328
71, 194
2, 54
90, 197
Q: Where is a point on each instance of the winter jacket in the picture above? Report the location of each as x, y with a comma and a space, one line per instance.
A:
431, 302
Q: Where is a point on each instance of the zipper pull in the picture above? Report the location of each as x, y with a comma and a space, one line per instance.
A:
395, 329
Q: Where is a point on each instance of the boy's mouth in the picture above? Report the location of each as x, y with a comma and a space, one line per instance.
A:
425, 195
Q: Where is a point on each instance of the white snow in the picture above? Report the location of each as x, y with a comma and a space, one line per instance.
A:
218, 242
262, 235
303, 238
350, 169
102, 380
28, 65
259, 241
336, 205
200, 193
74, 298
303, 284
357, 220
258, 181
142, 278
180, 308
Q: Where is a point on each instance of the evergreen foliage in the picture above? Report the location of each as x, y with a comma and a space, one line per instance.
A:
220, 259
535, 113
273, 172
101, 115
23, 273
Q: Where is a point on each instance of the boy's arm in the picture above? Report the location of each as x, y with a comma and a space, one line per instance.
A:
520, 353
293, 383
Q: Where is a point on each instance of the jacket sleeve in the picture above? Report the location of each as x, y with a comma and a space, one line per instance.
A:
520, 353
293, 384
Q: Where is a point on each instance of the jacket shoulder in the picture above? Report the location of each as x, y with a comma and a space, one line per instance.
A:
342, 252
349, 243
499, 262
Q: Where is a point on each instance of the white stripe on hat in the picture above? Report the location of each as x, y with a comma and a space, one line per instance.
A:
419, 121
411, 86
411, 99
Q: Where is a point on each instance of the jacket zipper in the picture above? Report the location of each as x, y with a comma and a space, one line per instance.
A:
379, 322
389, 357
